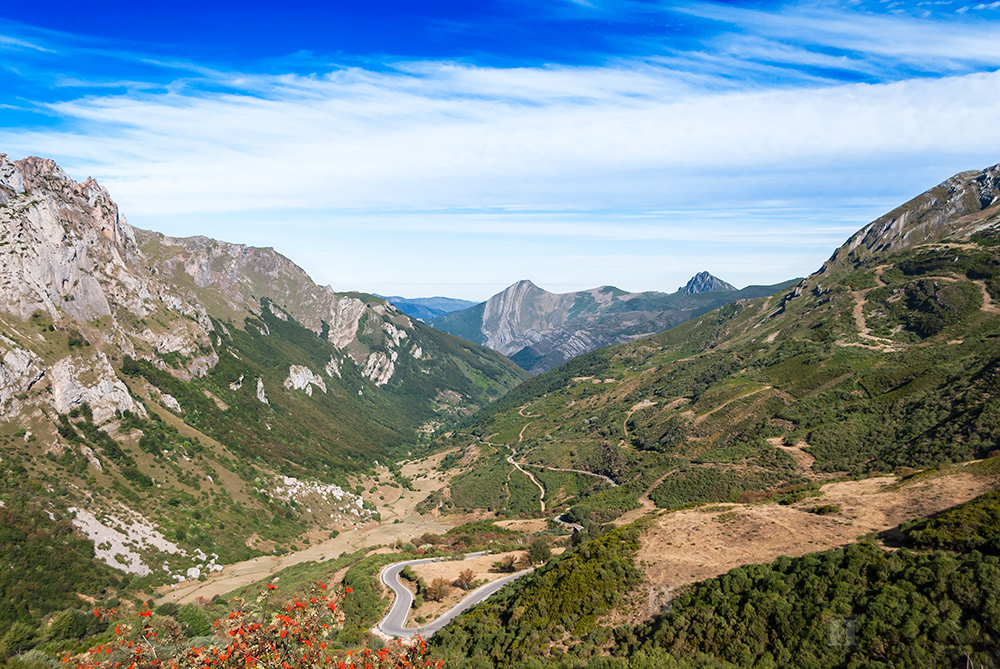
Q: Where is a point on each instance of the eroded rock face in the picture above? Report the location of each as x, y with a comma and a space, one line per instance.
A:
76, 380
303, 378
66, 252
20, 371
380, 367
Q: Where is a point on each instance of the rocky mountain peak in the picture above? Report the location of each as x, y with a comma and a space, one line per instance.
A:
958, 207
703, 282
40, 172
522, 286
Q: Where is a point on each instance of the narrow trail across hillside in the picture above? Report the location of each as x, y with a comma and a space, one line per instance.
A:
646, 505
889, 345
606, 479
541, 488
701, 417
988, 304
520, 435
641, 405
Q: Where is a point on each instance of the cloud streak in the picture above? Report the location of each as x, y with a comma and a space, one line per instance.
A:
439, 136
726, 136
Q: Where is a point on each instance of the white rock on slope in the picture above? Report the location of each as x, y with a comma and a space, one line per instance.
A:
303, 378
104, 392
260, 391
20, 370
380, 367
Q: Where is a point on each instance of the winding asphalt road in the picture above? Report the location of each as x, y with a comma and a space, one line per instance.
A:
394, 623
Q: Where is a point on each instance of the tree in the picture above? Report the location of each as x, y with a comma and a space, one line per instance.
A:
438, 589
465, 580
539, 551
19, 636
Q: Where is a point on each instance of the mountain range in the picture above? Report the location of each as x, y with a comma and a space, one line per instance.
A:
540, 330
884, 358
426, 308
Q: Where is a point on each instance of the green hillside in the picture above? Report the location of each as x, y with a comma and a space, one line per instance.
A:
866, 366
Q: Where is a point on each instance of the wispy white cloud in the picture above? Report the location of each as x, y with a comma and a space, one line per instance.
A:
438, 136
9, 42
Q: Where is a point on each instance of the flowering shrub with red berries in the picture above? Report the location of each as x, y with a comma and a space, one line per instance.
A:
259, 637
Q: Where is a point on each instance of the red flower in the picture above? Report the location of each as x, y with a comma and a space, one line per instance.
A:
271, 586
349, 590
97, 613
145, 614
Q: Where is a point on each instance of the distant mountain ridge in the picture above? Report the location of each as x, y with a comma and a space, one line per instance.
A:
540, 330
426, 308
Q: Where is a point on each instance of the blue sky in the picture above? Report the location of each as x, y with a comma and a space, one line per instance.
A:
452, 148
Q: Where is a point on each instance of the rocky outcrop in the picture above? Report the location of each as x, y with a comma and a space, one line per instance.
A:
303, 378
76, 380
67, 253
380, 367
20, 371
170, 402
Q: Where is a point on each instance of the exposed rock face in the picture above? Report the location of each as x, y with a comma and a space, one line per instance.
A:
303, 378
20, 371
957, 208
260, 391
380, 367
171, 403
703, 282
103, 391
66, 252
513, 317
241, 274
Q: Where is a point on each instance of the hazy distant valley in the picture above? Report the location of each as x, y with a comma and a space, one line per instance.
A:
185, 420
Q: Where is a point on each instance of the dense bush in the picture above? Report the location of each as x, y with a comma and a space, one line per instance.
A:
974, 525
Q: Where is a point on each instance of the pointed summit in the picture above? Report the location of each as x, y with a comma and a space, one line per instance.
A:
703, 282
